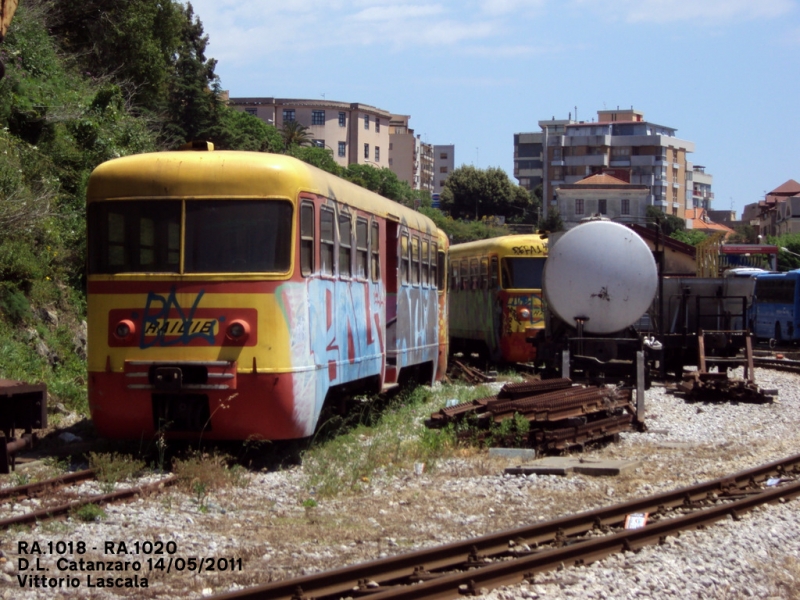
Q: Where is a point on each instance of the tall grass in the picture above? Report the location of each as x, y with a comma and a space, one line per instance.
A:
384, 441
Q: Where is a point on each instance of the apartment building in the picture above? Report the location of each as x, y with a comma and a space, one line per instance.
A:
443, 164
702, 196
621, 143
410, 158
355, 133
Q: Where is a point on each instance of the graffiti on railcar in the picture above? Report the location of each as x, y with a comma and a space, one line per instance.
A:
161, 328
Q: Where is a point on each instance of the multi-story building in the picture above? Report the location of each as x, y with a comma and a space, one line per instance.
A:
443, 165
353, 132
621, 144
601, 196
778, 213
702, 196
410, 158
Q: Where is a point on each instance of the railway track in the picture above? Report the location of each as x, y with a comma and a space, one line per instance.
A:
50, 486
778, 364
511, 556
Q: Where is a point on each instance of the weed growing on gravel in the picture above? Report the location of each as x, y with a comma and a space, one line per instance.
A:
388, 441
111, 468
89, 513
202, 473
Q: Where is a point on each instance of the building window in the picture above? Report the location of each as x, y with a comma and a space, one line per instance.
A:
579, 206
318, 117
366, 121
288, 114
556, 153
602, 206
366, 151
377, 154
390, 162
342, 119
342, 149
443, 156
318, 143
251, 111
442, 169
377, 124
441, 183
625, 206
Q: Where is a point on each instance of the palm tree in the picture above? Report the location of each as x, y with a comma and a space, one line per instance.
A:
295, 134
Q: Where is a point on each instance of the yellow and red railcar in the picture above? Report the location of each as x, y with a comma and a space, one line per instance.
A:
495, 296
231, 293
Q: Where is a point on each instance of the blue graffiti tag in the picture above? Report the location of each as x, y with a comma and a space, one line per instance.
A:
181, 330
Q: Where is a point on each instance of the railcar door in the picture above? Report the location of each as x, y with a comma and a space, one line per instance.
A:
391, 275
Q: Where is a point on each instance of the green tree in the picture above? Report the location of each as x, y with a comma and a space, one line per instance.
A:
473, 193
668, 223
553, 222
295, 134
689, 236
239, 130
194, 105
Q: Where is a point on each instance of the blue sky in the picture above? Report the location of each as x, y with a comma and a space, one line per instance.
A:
724, 73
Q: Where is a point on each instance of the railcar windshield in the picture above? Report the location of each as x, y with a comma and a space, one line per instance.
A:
238, 236
222, 236
522, 273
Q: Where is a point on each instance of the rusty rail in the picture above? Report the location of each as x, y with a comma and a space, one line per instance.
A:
427, 568
99, 500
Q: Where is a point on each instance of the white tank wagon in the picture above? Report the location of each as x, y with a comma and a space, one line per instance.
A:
600, 275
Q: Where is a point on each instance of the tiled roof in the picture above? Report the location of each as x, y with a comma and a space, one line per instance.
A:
601, 179
700, 221
790, 188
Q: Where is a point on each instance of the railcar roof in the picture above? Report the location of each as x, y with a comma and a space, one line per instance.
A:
502, 245
227, 173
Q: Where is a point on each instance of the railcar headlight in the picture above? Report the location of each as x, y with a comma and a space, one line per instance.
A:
238, 331
125, 329
524, 313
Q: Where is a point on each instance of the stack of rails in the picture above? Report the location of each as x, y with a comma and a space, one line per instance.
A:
561, 414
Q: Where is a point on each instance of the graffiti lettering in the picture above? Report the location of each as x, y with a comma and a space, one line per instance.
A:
530, 250
167, 330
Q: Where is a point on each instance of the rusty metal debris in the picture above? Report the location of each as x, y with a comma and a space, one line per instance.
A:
22, 406
560, 414
705, 385
469, 374
718, 386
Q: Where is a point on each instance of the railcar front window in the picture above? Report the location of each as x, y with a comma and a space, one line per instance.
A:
522, 273
239, 236
134, 237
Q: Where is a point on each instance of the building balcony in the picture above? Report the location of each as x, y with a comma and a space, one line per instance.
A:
620, 162
588, 160
648, 180
643, 161
587, 140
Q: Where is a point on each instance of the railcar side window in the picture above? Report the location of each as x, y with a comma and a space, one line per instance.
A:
362, 251
484, 273
134, 236
326, 240
306, 238
454, 275
375, 245
463, 274
473, 273
426, 263
439, 276
494, 273
239, 236
404, 266
345, 246
415, 260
